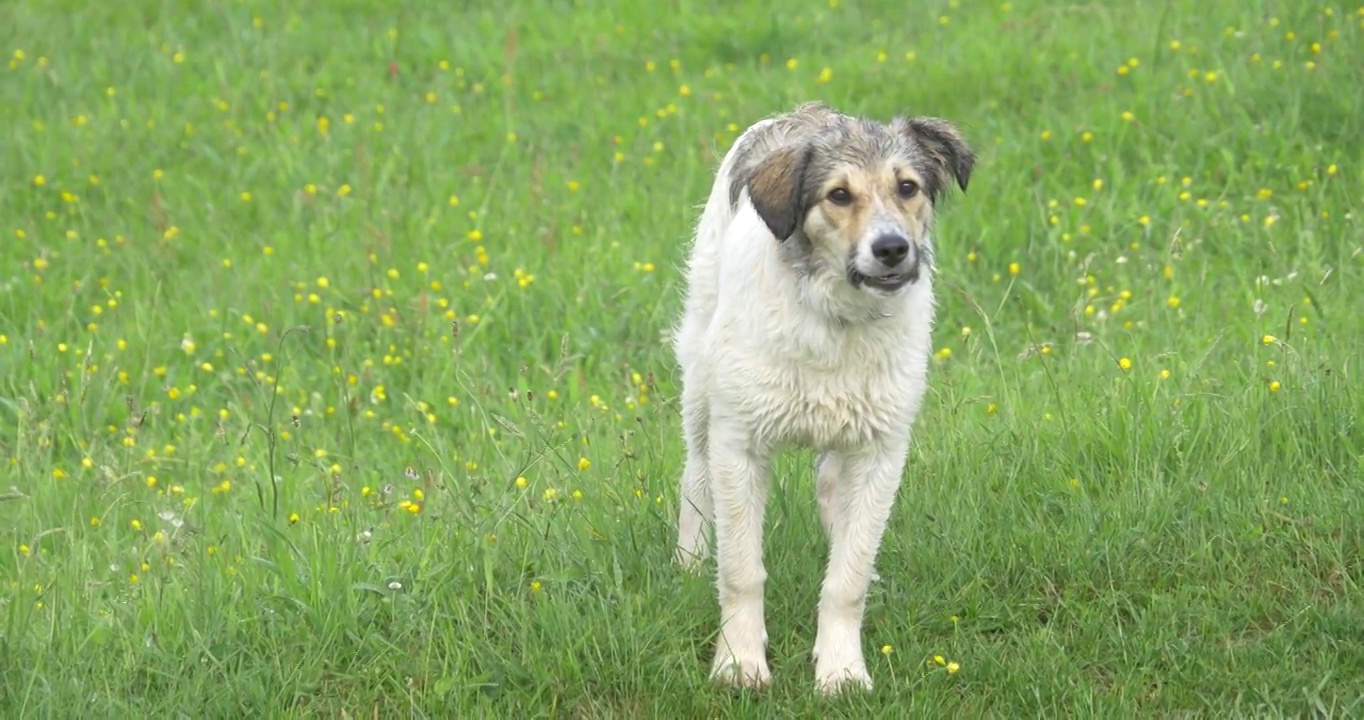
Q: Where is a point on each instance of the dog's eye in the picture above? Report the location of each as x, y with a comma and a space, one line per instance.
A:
908, 188
840, 196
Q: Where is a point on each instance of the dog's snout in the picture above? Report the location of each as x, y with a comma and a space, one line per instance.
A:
890, 249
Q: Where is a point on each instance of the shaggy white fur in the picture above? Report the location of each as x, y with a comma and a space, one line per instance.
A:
775, 352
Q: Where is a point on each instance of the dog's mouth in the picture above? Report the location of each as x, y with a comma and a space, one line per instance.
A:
889, 282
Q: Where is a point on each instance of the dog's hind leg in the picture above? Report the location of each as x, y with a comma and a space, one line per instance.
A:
828, 471
697, 513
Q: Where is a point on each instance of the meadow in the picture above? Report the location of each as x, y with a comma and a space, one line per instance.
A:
334, 375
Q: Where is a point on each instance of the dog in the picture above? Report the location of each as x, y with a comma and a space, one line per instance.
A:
806, 321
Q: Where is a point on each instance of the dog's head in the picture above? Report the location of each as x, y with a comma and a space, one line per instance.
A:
859, 195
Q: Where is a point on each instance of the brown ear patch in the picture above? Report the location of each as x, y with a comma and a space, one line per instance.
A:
775, 188
949, 156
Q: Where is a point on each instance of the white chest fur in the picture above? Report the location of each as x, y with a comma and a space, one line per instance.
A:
826, 387
792, 373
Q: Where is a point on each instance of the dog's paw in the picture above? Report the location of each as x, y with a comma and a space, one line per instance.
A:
834, 680
839, 666
748, 672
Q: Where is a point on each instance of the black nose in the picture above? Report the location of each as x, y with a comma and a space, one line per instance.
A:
891, 250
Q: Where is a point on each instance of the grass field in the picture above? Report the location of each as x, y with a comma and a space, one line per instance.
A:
417, 264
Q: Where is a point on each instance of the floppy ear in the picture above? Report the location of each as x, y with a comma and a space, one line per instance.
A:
948, 154
776, 189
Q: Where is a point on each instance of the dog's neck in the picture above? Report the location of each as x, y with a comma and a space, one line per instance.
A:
843, 306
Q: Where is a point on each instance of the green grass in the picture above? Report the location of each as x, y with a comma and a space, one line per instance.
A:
1135, 489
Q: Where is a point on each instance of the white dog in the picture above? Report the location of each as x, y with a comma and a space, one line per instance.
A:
807, 321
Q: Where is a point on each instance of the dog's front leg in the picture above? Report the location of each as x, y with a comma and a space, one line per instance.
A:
858, 504
739, 488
